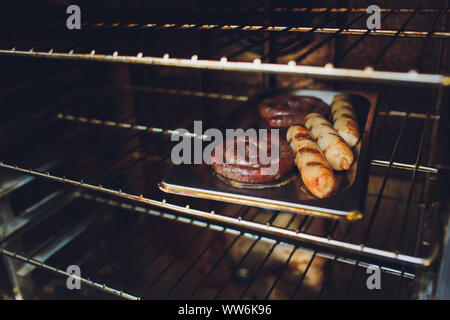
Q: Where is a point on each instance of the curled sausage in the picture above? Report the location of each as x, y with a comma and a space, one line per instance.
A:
345, 120
248, 167
315, 170
286, 110
337, 152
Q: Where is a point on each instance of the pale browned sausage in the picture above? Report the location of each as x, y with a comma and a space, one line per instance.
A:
345, 120
315, 170
336, 151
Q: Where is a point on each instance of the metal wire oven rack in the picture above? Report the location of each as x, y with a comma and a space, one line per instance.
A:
149, 269
411, 236
100, 45
268, 225
223, 218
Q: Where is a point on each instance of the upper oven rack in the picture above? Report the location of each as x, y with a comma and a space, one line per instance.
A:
327, 72
101, 42
297, 234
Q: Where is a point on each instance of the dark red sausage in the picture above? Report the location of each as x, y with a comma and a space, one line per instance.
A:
287, 110
253, 174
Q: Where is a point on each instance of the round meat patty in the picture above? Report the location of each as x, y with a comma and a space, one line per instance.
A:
286, 110
248, 166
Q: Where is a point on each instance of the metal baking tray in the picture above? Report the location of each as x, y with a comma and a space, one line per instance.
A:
346, 203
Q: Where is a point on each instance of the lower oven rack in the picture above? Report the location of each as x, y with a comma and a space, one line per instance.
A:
265, 223
150, 274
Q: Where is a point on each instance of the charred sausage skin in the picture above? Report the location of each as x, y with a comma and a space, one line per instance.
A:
286, 110
239, 169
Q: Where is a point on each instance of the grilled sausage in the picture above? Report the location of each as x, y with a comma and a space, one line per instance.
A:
344, 119
239, 167
286, 110
336, 151
315, 170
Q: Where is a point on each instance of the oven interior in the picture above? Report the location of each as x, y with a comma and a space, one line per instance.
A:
85, 133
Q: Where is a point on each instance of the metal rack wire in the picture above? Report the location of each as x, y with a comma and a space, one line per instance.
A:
129, 130
100, 43
146, 257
